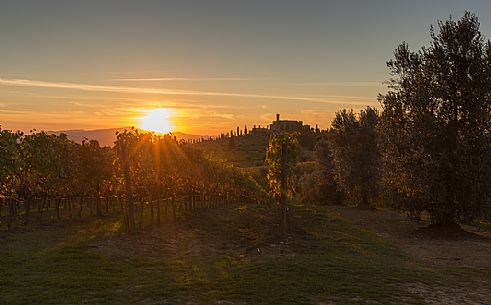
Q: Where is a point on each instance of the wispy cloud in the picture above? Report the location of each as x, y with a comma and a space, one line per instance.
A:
228, 116
340, 84
127, 89
344, 97
87, 105
5, 111
158, 79
175, 92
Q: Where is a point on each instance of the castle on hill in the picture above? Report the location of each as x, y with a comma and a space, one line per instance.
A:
280, 126
288, 125
254, 142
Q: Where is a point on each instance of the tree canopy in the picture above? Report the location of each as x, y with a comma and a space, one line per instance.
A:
355, 155
435, 125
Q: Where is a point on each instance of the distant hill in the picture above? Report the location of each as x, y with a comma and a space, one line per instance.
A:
106, 137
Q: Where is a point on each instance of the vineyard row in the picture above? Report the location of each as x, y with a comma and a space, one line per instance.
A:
149, 212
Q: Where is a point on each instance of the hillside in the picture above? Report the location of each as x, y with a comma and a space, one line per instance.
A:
106, 137
245, 151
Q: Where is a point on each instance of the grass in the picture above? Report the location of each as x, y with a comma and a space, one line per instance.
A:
215, 260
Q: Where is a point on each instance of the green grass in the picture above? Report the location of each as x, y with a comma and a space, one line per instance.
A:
215, 261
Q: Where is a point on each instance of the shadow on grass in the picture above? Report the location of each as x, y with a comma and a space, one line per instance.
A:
231, 254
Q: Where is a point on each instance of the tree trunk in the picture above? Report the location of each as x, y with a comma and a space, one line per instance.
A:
121, 204
98, 206
142, 206
159, 201
58, 204
189, 202
70, 207
174, 208
152, 214
28, 210
10, 220
283, 190
364, 203
443, 219
41, 205
166, 205
91, 205
82, 198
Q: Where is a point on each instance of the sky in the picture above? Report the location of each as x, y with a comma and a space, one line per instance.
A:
214, 64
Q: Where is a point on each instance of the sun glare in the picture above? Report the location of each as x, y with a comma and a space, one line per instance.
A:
157, 120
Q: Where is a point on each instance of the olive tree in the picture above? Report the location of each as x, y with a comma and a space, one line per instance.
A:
355, 155
436, 126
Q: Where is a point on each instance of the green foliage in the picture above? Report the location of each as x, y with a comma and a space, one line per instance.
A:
50, 165
153, 166
355, 156
161, 164
9, 161
319, 186
290, 144
436, 124
142, 166
96, 164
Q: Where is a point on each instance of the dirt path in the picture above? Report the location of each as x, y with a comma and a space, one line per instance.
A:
471, 249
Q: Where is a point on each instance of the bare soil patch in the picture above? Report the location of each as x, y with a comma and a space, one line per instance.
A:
470, 247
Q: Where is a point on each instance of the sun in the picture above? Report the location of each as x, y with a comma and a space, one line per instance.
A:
157, 120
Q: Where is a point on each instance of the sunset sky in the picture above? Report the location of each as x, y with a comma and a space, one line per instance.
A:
216, 64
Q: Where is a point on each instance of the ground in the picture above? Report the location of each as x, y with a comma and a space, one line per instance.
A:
232, 255
468, 248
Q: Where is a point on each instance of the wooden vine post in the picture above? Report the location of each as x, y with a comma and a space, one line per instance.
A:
284, 188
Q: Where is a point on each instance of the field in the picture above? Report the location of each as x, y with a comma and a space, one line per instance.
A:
231, 255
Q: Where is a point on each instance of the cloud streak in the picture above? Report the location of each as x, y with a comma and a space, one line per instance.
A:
129, 89
157, 79
340, 84
169, 91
